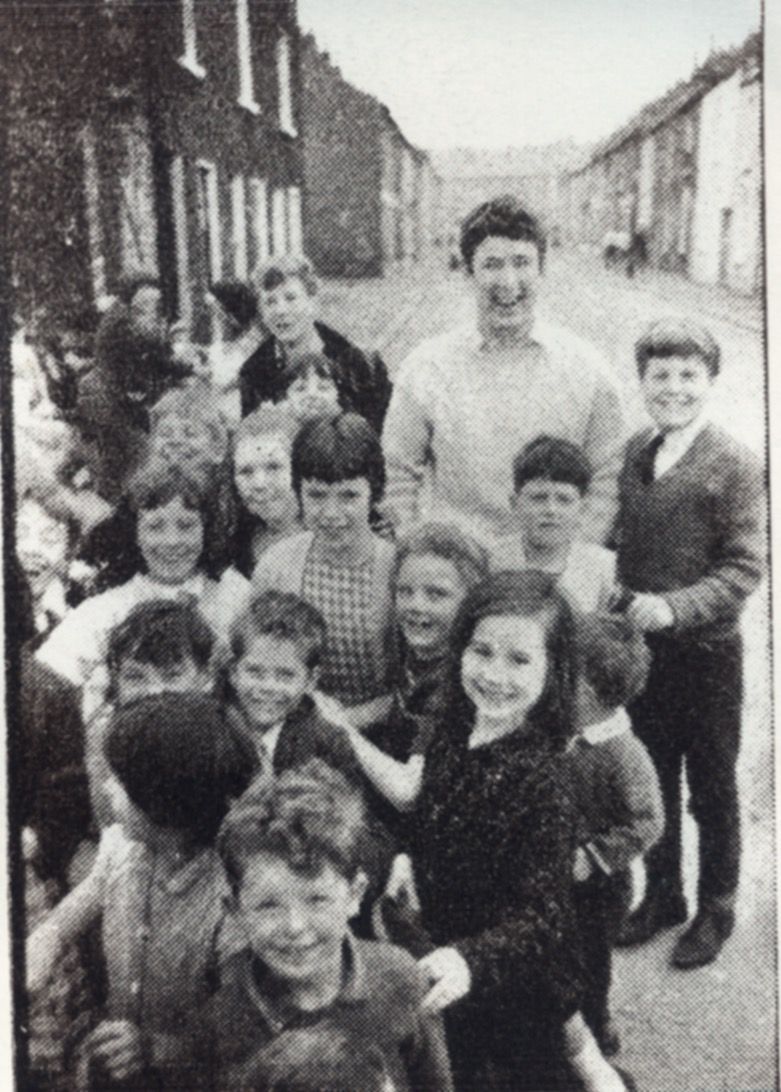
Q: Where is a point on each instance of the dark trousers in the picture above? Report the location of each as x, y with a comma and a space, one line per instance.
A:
691, 710
601, 903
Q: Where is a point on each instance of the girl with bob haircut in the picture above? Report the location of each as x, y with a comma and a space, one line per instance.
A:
436, 566
339, 564
171, 555
494, 840
288, 298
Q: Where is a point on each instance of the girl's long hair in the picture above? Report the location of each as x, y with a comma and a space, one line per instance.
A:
527, 594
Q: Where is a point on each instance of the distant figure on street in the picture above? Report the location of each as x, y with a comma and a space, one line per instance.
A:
288, 299
466, 402
134, 365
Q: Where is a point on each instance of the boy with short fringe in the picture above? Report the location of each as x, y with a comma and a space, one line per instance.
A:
293, 853
551, 482
690, 549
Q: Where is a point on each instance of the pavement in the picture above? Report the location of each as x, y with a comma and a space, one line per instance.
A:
713, 1029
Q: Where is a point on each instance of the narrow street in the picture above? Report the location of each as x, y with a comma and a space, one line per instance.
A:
712, 1029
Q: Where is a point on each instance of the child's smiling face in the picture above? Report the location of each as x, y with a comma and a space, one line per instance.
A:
170, 538
270, 680
41, 546
338, 512
312, 395
183, 441
548, 512
429, 591
296, 924
504, 667
675, 389
262, 474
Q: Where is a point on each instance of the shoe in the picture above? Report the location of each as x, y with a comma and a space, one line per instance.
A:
650, 918
703, 940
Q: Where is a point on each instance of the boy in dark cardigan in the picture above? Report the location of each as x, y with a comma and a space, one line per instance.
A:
690, 548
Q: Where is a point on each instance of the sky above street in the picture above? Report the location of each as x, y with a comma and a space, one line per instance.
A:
491, 73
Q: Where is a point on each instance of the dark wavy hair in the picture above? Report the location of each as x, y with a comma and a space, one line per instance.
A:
308, 817
527, 594
505, 217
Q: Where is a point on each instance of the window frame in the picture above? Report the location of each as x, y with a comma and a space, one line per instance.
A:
286, 118
189, 57
246, 97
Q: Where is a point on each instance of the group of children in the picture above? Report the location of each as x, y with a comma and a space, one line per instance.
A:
283, 763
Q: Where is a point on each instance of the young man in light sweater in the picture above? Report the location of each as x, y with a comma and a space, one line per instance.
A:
690, 547
466, 402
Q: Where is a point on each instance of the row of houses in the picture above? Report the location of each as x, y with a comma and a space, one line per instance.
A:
193, 140
685, 174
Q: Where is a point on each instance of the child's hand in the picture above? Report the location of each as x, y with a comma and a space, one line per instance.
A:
450, 978
650, 613
116, 1044
582, 867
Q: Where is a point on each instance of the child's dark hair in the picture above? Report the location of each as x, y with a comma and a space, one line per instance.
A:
285, 616
157, 482
179, 761
613, 658
503, 216
444, 540
553, 460
160, 632
324, 1057
309, 817
320, 365
528, 594
336, 449
238, 299
677, 337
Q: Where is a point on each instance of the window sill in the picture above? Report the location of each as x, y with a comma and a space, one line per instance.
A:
250, 105
192, 66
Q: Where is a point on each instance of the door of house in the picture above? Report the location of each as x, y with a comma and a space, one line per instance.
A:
725, 246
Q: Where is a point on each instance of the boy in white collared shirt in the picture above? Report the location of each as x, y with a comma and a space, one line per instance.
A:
690, 551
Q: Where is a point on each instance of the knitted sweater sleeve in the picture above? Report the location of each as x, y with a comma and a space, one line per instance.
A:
532, 945
603, 445
406, 441
737, 558
634, 788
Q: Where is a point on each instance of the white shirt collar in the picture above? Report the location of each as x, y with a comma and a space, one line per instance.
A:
615, 725
195, 586
680, 439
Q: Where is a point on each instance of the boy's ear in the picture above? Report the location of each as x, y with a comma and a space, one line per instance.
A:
513, 501
314, 678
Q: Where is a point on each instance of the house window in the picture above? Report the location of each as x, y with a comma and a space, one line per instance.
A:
259, 214
189, 58
239, 226
284, 86
138, 222
295, 227
246, 88
179, 202
279, 241
208, 208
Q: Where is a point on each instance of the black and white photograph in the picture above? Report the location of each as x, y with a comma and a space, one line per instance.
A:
385, 433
